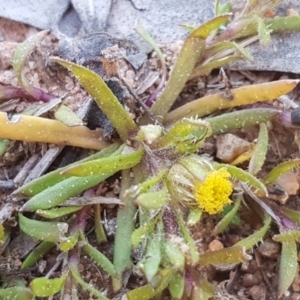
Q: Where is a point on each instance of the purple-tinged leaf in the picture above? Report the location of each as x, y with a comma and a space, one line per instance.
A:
19, 59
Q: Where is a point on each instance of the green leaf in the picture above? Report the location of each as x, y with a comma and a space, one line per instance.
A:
68, 243
287, 236
175, 255
229, 216
240, 119
143, 231
106, 166
206, 68
146, 185
222, 8
100, 259
224, 256
3, 146
43, 231
243, 176
62, 191
188, 238
288, 266
146, 292
205, 30
45, 287
104, 97
203, 290
16, 293
67, 116
21, 55
294, 215
281, 169
217, 48
185, 136
284, 23
260, 152
50, 179
86, 286
252, 240
150, 265
57, 212
194, 216
191, 52
241, 96
176, 286
153, 200
37, 253
264, 33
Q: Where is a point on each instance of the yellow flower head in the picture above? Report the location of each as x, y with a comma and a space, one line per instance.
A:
213, 194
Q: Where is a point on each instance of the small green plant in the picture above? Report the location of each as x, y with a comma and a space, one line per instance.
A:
171, 187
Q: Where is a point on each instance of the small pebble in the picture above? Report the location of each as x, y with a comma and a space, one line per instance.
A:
215, 245
229, 147
269, 249
250, 280
258, 292
289, 182
295, 296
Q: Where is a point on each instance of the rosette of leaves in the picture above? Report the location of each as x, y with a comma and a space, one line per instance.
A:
170, 188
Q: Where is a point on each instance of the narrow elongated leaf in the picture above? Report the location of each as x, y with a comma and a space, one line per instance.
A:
205, 69
244, 176
218, 47
205, 30
100, 259
150, 266
103, 166
104, 97
67, 116
42, 130
260, 152
19, 59
175, 255
38, 252
284, 23
229, 217
3, 146
294, 215
188, 238
191, 52
288, 236
50, 179
252, 240
57, 212
176, 286
16, 293
45, 287
143, 231
43, 231
264, 33
240, 119
185, 136
224, 256
153, 200
281, 169
86, 286
288, 266
62, 191
241, 96
146, 292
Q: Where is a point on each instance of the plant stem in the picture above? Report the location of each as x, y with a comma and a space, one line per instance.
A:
125, 227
